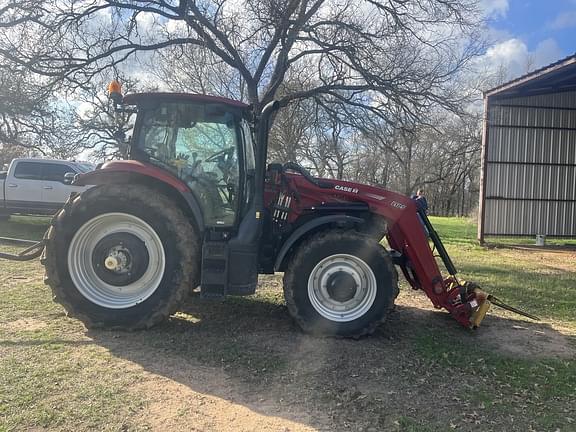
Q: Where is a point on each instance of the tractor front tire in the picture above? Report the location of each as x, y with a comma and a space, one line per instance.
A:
121, 257
340, 283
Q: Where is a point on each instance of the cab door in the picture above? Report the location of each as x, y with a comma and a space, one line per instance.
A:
200, 145
23, 188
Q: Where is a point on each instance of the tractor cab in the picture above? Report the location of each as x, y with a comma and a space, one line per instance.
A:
204, 147
206, 142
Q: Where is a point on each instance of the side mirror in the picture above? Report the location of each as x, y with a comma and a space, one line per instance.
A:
69, 177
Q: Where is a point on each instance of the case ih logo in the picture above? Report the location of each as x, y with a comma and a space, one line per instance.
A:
346, 189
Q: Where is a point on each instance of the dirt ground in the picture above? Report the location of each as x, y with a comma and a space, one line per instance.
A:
292, 382
242, 365
553, 258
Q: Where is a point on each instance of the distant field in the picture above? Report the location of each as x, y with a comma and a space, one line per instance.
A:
242, 365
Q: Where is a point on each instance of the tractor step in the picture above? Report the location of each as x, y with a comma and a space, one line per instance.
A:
214, 280
397, 257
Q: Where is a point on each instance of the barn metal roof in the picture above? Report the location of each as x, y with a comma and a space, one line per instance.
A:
556, 77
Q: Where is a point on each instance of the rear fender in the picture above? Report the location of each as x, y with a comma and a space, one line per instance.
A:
340, 221
128, 172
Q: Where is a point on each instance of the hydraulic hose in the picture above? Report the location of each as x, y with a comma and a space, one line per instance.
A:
293, 166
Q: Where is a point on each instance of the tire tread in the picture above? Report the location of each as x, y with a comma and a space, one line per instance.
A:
297, 261
187, 242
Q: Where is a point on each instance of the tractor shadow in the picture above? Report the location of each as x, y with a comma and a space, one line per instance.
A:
249, 352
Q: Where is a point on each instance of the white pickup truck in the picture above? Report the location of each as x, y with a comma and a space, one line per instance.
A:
37, 186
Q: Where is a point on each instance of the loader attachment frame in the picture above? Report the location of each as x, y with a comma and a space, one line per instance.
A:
33, 251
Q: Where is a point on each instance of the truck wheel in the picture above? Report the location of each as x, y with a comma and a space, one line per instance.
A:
340, 283
121, 256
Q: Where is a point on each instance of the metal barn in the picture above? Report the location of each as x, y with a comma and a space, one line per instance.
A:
528, 172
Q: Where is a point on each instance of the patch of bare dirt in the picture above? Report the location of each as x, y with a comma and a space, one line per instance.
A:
24, 324
177, 407
190, 377
505, 333
526, 340
558, 259
323, 384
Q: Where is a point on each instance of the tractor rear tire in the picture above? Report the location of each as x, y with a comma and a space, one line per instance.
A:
340, 283
121, 257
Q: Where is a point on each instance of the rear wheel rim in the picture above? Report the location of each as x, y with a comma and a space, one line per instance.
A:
355, 295
86, 262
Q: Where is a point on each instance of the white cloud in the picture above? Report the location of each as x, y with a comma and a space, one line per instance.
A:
176, 28
547, 52
511, 54
563, 20
494, 36
514, 58
84, 110
494, 8
146, 21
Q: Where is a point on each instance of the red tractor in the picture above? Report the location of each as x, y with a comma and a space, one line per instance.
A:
197, 205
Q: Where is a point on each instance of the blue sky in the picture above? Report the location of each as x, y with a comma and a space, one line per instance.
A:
534, 32
536, 20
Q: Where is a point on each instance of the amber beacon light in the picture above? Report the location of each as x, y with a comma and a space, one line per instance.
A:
115, 92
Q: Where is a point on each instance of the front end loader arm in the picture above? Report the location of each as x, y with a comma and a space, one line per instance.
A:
464, 300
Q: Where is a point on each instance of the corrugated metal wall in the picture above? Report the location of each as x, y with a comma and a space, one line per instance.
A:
531, 166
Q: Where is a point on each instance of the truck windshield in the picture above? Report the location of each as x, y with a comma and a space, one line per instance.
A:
199, 144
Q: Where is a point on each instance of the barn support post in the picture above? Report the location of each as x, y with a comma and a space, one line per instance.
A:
482, 197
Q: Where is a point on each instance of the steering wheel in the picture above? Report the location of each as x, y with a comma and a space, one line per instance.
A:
221, 155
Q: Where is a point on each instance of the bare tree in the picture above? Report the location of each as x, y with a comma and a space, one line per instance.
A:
406, 52
455, 165
25, 113
9, 152
358, 79
102, 132
32, 119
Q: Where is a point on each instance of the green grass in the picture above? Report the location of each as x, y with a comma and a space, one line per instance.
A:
420, 372
530, 241
49, 388
512, 387
465, 231
24, 227
523, 278
455, 230
50, 376
508, 387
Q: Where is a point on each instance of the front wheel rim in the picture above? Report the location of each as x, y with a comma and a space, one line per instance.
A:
348, 306
86, 270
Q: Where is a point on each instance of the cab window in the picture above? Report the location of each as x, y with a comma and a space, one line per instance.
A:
199, 144
55, 172
28, 171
